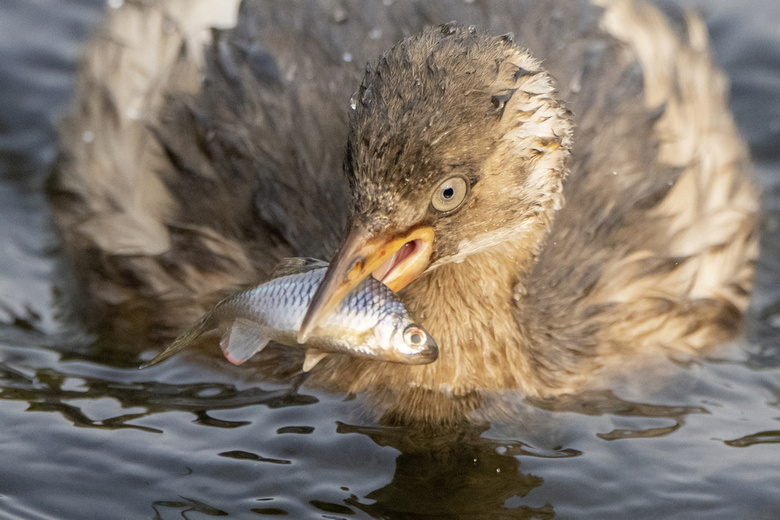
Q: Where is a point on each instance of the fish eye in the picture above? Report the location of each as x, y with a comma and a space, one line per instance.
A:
450, 194
415, 336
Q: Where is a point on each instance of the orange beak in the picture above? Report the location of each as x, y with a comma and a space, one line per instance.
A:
394, 260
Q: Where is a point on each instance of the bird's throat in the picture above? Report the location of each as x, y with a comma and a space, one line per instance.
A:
470, 308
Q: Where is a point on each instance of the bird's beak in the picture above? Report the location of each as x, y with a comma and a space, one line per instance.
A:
393, 259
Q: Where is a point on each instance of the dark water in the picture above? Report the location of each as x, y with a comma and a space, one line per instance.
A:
84, 435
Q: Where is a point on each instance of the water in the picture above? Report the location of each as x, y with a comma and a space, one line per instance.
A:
87, 436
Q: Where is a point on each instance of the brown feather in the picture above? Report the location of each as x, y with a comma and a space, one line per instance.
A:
611, 213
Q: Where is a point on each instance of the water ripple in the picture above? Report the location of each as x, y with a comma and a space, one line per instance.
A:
767, 437
50, 390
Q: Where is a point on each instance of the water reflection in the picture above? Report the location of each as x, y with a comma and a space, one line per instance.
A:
464, 474
49, 390
457, 481
453, 474
768, 437
269, 511
467, 473
185, 506
245, 455
607, 403
307, 464
334, 509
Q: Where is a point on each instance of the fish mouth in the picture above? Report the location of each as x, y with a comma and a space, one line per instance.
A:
429, 352
394, 259
426, 357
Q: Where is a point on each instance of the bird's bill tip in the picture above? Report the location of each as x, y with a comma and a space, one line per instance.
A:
400, 258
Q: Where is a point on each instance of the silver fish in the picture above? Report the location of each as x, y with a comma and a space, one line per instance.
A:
371, 322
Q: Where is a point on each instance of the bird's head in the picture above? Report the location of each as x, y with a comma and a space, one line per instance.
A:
457, 144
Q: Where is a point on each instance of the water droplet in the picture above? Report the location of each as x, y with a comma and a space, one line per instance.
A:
448, 29
88, 136
353, 101
518, 292
774, 322
133, 113
614, 173
576, 84
375, 33
339, 15
368, 96
347, 56
558, 201
115, 4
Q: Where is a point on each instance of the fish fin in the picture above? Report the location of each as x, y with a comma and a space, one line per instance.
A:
288, 266
202, 325
313, 356
244, 339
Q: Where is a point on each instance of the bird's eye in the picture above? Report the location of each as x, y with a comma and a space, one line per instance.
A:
450, 194
415, 336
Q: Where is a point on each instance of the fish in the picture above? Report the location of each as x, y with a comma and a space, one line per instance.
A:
371, 322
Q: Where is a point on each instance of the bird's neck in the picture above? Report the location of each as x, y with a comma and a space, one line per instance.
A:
470, 309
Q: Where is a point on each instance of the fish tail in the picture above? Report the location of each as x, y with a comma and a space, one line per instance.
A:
202, 325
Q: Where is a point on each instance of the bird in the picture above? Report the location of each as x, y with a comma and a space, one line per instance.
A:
555, 188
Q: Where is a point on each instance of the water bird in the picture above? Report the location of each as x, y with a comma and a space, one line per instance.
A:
556, 187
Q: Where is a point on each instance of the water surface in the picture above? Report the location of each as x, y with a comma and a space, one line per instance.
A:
87, 436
